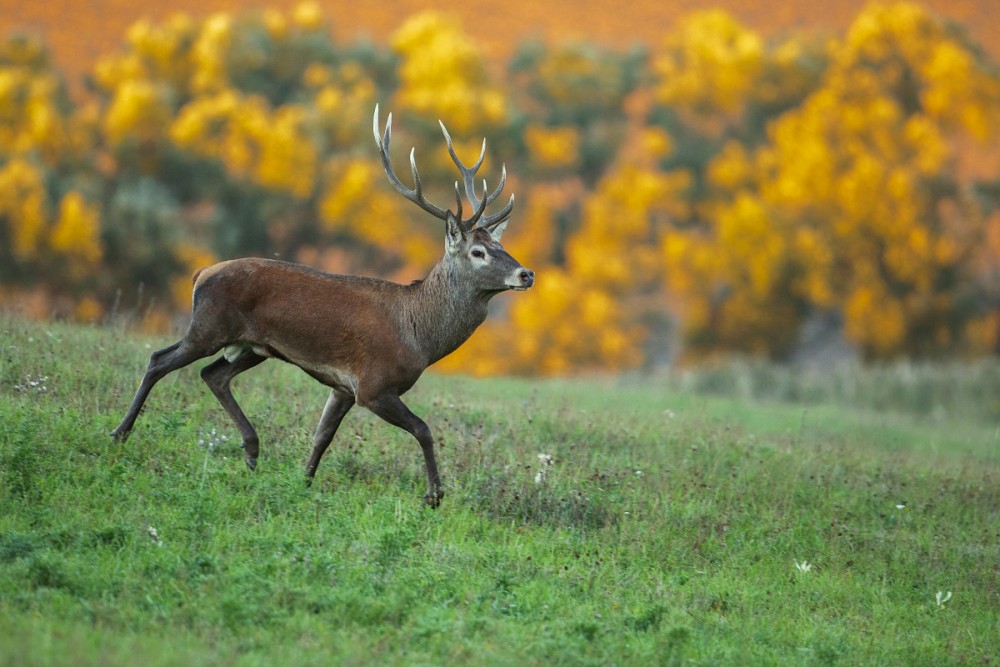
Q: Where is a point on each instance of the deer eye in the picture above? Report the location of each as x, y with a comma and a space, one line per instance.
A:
478, 253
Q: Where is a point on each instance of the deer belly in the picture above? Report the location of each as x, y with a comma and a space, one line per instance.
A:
336, 378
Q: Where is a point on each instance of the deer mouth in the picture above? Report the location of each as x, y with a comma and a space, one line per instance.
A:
521, 280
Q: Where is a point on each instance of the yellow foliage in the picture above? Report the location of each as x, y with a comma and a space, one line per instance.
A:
559, 326
271, 148
732, 169
287, 155
275, 23
553, 147
30, 115
709, 63
875, 318
839, 205
571, 74
77, 233
954, 88
208, 54
533, 238
613, 245
22, 206
309, 15
353, 201
138, 112
443, 74
655, 143
343, 102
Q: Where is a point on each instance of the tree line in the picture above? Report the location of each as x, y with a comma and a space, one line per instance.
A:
711, 194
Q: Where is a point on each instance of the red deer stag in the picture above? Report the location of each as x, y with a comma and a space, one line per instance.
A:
367, 339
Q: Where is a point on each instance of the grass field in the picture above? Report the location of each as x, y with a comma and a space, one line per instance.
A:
681, 521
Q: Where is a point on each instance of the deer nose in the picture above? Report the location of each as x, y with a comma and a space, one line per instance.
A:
527, 277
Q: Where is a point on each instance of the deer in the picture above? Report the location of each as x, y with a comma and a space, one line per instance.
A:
365, 338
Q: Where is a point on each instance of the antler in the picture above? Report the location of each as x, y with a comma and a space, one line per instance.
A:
415, 194
468, 178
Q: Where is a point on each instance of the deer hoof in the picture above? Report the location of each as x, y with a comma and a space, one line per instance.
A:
119, 435
433, 498
251, 462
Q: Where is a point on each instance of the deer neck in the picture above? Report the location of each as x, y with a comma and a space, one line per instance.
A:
446, 312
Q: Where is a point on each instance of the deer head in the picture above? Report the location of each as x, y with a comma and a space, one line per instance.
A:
472, 245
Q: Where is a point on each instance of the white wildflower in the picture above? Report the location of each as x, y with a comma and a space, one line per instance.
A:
153, 535
544, 462
942, 597
33, 383
804, 566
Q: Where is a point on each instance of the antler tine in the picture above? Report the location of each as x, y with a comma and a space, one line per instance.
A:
468, 173
414, 194
503, 181
458, 198
496, 219
468, 178
478, 213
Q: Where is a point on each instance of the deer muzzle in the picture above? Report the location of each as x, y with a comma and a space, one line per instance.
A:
521, 279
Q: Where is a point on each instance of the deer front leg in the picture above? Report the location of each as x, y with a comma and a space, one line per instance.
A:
337, 405
390, 408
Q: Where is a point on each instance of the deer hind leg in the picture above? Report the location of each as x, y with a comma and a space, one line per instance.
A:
337, 405
390, 408
217, 375
161, 363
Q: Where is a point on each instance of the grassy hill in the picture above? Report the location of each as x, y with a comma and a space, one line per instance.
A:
673, 526
79, 31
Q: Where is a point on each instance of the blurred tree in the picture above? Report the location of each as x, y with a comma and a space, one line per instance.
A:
852, 204
443, 74
221, 133
716, 81
47, 225
573, 98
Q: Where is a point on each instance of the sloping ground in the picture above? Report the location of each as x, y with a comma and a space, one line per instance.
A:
79, 31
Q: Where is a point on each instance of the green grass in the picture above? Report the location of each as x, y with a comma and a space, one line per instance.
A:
666, 530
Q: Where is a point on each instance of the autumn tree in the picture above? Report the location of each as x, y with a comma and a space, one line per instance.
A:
226, 135
49, 222
852, 204
573, 98
717, 81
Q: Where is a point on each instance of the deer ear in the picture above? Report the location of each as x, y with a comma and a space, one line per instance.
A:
454, 235
497, 231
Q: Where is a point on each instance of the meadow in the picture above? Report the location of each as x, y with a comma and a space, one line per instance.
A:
743, 515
